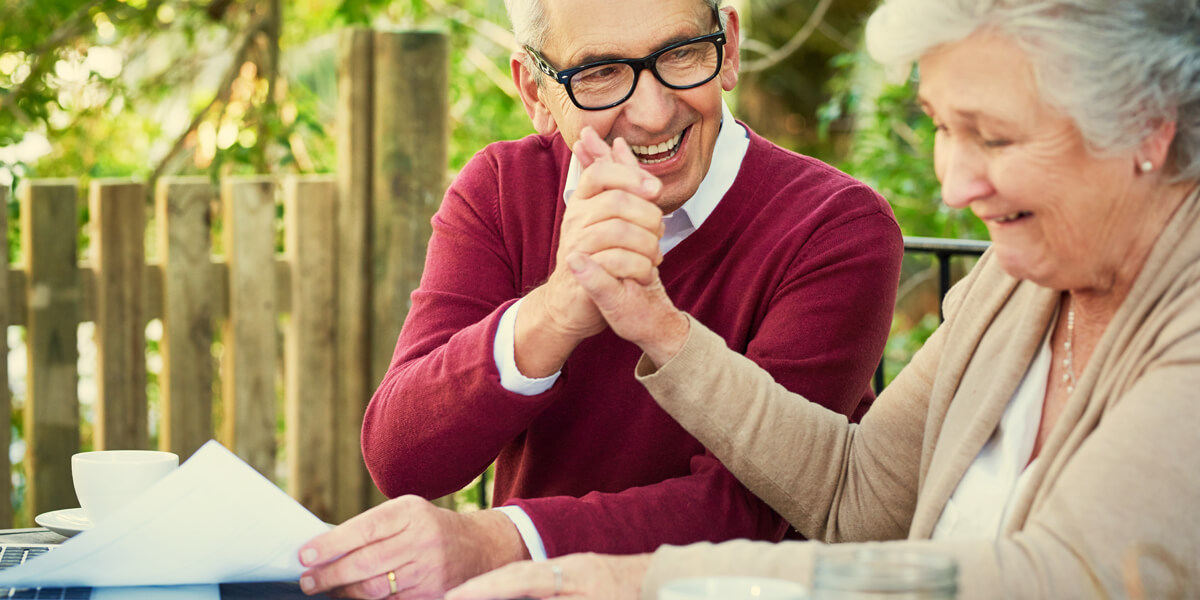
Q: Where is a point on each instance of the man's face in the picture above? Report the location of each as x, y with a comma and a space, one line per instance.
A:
686, 121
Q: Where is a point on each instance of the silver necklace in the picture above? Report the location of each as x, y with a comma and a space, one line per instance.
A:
1069, 361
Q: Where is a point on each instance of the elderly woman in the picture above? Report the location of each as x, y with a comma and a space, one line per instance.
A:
1046, 435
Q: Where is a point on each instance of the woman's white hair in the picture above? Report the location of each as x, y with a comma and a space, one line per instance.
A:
1118, 68
531, 26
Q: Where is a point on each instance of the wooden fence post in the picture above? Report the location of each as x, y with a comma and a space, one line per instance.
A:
311, 352
250, 349
49, 232
354, 162
411, 130
184, 223
6, 509
410, 152
118, 217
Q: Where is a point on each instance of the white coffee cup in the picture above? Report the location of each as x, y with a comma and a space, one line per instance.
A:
731, 588
106, 480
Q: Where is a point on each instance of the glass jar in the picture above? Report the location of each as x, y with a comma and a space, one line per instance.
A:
883, 574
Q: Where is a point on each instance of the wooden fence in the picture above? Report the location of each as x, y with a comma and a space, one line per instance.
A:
354, 248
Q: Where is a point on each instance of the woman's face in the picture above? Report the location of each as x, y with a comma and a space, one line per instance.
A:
1057, 215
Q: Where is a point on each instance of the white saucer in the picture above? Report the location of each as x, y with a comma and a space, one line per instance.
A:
66, 522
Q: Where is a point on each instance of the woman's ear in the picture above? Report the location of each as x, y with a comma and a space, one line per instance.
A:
1153, 152
531, 95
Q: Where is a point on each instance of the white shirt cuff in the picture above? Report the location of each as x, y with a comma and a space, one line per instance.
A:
529, 533
504, 350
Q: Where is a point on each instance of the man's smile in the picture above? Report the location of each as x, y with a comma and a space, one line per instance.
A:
650, 155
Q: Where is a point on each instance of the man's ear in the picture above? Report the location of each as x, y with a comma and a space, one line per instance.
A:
531, 96
733, 61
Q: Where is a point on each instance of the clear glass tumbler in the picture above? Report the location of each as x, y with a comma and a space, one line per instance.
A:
883, 574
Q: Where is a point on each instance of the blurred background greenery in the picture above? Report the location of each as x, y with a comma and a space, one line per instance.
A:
149, 88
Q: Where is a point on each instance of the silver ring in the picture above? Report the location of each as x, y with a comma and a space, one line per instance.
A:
391, 575
557, 579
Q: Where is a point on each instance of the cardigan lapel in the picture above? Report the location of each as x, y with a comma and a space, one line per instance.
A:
997, 346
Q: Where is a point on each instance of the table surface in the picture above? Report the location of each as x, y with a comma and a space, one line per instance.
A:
229, 591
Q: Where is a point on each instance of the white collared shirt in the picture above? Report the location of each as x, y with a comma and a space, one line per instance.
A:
728, 153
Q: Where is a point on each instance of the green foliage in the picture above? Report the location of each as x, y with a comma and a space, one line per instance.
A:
892, 148
903, 342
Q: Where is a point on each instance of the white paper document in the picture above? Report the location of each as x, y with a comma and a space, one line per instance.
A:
213, 520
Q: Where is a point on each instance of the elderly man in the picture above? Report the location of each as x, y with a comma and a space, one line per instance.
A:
639, 165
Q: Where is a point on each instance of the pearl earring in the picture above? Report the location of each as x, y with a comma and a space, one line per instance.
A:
1146, 166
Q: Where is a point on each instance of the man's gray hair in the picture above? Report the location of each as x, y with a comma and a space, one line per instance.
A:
531, 26
1118, 68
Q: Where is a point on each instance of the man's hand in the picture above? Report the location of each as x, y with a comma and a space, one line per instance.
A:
613, 219
428, 549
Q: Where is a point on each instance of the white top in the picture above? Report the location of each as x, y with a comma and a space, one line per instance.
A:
728, 152
982, 503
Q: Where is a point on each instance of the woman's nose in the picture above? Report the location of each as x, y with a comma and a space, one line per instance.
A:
963, 172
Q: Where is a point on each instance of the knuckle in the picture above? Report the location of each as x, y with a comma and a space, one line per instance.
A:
375, 587
369, 532
409, 501
359, 566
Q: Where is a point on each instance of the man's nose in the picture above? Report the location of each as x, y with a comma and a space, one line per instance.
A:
652, 105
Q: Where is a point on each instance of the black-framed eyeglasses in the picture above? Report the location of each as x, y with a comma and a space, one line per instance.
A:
607, 83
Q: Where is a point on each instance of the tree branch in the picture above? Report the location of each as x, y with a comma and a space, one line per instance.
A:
497, 34
222, 95
274, 31
774, 57
71, 28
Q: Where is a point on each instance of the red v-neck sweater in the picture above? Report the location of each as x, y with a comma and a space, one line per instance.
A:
796, 268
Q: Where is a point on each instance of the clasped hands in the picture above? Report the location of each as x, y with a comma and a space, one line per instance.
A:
606, 271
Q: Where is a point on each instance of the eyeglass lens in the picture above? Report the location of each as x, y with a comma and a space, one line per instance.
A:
682, 67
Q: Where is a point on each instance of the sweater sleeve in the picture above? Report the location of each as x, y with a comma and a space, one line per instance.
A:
1120, 522
822, 329
441, 399
832, 480
806, 461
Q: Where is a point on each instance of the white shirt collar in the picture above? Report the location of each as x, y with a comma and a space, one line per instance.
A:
728, 152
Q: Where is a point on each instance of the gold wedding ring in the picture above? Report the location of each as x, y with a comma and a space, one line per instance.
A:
557, 579
392, 581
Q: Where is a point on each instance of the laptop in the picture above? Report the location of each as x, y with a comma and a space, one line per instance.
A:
12, 555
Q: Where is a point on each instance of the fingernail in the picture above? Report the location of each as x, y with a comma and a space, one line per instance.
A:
576, 263
308, 556
652, 185
307, 584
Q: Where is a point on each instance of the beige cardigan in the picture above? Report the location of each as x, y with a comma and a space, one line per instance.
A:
1117, 484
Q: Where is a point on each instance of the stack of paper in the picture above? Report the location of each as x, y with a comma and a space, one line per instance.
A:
213, 520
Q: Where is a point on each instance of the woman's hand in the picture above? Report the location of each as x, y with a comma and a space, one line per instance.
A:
642, 314
596, 576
